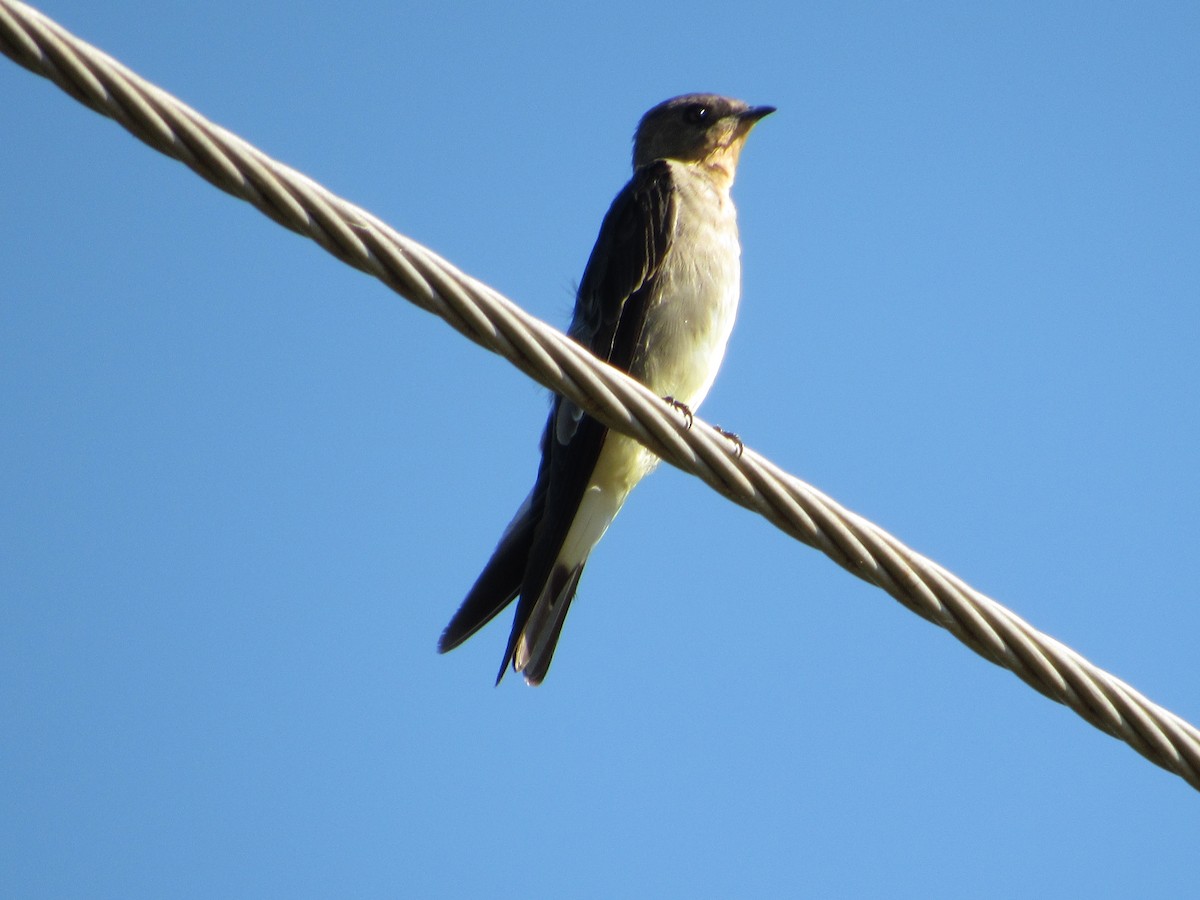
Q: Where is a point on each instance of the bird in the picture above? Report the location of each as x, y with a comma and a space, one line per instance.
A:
657, 300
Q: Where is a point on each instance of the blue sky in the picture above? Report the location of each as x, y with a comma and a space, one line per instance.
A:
245, 486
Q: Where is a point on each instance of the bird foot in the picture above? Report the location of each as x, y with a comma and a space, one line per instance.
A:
738, 446
689, 419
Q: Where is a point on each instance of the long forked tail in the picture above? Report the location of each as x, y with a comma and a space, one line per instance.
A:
559, 553
542, 553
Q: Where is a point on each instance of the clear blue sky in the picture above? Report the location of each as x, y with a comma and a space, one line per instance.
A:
244, 487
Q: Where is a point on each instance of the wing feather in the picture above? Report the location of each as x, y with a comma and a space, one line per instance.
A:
610, 310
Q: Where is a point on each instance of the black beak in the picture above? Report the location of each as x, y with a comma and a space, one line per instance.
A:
754, 113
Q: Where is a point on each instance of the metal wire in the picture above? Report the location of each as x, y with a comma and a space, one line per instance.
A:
549, 357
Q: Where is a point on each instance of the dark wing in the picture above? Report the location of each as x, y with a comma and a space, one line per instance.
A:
635, 238
610, 310
500, 581
610, 307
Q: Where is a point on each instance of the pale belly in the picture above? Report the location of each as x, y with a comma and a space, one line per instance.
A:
688, 327
681, 348
683, 344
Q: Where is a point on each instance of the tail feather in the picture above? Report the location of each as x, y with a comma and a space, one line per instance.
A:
537, 641
560, 551
581, 485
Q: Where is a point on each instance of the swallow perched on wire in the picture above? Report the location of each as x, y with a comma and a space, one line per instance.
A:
657, 300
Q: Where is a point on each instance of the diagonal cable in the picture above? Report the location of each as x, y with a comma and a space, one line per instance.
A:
549, 357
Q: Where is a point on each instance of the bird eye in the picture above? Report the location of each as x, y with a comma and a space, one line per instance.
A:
697, 114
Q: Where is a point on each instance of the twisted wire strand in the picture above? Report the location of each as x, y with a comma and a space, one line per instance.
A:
546, 355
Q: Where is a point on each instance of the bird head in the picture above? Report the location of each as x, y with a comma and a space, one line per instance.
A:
704, 129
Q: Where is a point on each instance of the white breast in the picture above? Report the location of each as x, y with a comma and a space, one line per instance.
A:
689, 323
683, 340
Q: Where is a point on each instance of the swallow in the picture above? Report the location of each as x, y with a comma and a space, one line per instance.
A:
657, 300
